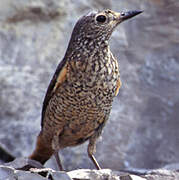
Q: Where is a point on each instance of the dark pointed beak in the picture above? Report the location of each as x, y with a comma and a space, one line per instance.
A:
127, 15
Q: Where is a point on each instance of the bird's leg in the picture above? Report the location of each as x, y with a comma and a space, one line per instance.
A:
56, 147
91, 156
92, 150
58, 161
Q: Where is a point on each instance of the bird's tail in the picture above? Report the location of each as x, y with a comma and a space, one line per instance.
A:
43, 150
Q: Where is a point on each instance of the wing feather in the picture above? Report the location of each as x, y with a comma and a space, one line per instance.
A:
119, 83
57, 79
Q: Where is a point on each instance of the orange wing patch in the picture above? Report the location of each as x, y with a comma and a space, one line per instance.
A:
61, 77
118, 86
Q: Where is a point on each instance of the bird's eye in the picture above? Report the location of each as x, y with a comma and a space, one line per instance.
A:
101, 18
123, 14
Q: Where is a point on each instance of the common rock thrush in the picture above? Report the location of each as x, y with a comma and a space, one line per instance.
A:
79, 98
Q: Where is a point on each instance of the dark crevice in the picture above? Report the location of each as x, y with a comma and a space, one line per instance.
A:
5, 156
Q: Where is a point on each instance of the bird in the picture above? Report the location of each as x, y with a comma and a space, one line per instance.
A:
79, 97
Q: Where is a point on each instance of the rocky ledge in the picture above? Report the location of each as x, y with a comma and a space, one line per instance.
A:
25, 169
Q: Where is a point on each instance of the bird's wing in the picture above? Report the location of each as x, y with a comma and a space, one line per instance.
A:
58, 78
118, 84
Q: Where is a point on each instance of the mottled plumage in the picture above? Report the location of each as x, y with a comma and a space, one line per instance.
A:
79, 98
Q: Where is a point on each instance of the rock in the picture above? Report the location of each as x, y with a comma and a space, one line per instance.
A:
143, 122
93, 174
24, 164
7, 172
162, 174
5, 156
61, 175
10, 172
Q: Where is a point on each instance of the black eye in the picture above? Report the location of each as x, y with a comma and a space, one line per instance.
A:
101, 18
123, 14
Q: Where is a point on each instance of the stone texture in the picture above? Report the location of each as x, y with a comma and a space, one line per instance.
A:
144, 119
7, 172
162, 174
93, 174
24, 163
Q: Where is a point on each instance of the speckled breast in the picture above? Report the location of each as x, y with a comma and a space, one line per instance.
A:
83, 102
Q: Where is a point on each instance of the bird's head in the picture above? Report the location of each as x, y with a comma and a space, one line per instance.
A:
100, 25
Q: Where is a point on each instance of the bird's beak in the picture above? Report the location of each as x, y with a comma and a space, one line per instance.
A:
127, 15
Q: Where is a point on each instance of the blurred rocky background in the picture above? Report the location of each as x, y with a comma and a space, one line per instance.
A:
143, 128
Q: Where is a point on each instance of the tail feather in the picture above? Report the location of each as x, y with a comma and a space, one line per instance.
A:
43, 151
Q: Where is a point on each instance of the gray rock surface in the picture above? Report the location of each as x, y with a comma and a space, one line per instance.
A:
143, 128
13, 171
